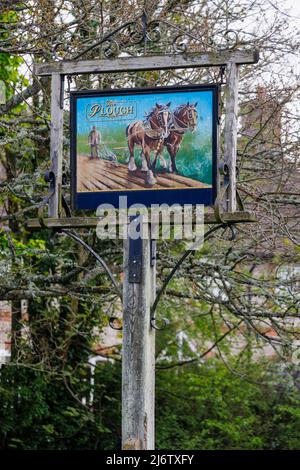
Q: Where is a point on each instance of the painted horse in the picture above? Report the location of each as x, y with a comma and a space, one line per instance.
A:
150, 135
184, 119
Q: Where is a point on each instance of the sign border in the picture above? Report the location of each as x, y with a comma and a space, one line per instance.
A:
91, 200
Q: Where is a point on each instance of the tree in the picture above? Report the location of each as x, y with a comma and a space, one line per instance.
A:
225, 293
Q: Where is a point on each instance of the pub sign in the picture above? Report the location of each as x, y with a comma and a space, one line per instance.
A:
153, 145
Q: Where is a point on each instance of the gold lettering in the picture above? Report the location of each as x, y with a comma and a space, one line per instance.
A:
94, 110
110, 109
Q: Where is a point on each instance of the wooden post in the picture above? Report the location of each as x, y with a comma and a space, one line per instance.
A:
138, 356
230, 134
56, 141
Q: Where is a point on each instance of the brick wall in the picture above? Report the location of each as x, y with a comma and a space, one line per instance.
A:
5, 331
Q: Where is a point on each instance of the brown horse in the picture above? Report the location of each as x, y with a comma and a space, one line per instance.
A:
184, 119
150, 135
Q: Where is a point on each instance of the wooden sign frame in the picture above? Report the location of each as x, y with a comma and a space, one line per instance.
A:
178, 188
58, 70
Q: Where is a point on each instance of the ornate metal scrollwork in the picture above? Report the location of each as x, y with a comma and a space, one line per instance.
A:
142, 36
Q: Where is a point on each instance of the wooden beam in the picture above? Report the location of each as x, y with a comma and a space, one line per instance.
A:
160, 62
230, 132
56, 142
86, 222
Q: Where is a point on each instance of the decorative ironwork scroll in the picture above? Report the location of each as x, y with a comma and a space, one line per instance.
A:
143, 36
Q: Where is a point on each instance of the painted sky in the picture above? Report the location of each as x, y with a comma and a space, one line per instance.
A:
144, 103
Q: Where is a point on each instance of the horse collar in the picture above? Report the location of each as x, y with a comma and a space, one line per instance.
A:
179, 127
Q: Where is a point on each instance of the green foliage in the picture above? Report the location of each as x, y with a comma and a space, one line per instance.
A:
38, 412
197, 407
9, 63
211, 409
207, 407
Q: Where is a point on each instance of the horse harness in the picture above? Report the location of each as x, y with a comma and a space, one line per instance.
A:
156, 134
178, 129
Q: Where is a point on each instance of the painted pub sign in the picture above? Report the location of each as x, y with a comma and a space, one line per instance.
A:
154, 146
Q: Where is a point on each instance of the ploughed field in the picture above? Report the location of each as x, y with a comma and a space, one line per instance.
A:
102, 175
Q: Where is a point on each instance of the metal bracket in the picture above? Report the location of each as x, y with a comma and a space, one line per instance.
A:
50, 178
159, 324
135, 258
222, 74
224, 170
135, 253
152, 252
61, 92
66, 206
69, 78
113, 321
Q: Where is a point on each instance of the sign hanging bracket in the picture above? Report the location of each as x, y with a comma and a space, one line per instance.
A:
61, 92
135, 249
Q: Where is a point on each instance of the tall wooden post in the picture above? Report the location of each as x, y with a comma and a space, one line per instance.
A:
230, 134
138, 356
56, 142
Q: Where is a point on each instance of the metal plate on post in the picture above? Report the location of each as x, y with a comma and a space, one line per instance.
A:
135, 250
152, 252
